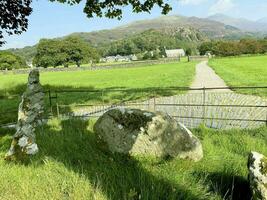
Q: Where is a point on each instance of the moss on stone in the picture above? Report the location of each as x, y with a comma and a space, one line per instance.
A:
132, 121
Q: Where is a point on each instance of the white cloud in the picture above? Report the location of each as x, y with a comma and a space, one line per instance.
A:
191, 2
221, 6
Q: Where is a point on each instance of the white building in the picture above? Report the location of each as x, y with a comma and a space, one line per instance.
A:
175, 53
119, 58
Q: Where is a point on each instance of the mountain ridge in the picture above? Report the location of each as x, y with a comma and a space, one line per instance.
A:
241, 23
210, 28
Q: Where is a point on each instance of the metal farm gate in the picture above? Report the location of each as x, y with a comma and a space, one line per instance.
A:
220, 108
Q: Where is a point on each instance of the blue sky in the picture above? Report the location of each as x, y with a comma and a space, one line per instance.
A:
50, 20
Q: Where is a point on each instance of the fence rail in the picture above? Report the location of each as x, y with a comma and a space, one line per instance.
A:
201, 105
217, 107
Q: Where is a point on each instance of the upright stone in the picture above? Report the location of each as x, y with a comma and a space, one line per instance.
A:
30, 114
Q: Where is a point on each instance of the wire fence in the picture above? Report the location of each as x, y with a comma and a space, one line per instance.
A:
217, 107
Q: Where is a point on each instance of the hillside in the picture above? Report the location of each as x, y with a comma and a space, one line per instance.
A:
151, 40
262, 20
208, 27
241, 23
167, 24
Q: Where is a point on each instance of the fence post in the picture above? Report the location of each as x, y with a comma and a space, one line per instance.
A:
203, 105
102, 96
154, 102
50, 101
58, 111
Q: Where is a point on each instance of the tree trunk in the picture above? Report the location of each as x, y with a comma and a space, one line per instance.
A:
78, 64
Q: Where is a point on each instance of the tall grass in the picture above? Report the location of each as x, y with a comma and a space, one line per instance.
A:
71, 166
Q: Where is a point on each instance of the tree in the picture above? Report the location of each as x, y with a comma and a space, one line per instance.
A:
14, 13
234, 48
206, 47
188, 51
10, 61
77, 50
49, 53
53, 52
251, 46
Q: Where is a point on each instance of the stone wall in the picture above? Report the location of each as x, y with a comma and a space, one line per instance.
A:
103, 67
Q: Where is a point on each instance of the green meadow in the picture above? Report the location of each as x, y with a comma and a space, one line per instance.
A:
243, 71
146, 81
71, 166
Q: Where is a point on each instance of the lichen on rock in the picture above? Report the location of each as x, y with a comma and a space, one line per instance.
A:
30, 114
137, 132
257, 175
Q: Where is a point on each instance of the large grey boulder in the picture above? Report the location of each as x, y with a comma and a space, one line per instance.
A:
30, 116
257, 166
137, 132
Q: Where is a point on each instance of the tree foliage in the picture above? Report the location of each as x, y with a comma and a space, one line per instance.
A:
113, 8
10, 61
14, 13
52, 52
234, 48
14, 16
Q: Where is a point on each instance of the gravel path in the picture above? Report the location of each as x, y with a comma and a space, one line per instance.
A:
217, 109
206, 77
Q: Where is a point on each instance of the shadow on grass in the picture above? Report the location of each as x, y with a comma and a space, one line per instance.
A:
228, 186
73, 143
118, 176
68, 96
96, 92
5, 135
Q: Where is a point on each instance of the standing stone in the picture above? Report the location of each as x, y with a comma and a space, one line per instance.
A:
137, 132
257, 166
30, 113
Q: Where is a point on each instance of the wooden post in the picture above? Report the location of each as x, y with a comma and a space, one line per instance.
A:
203, 105
58, 111
50, 101
154, 102
102, 96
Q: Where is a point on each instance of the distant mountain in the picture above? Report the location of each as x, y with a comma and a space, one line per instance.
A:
208, 27
188, 27
241, 23
262, 20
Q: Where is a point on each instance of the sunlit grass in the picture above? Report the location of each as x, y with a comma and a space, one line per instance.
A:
70, 166
243, 71
147, 80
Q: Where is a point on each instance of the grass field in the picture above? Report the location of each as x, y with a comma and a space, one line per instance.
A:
243, 71
70, 166
148, 79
